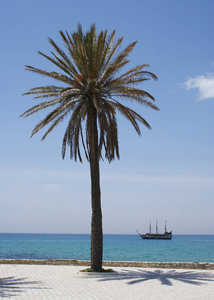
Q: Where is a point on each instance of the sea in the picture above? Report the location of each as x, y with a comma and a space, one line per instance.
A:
181, 248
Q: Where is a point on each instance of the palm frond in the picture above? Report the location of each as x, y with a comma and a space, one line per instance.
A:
131, 115
55, 123
73, 131
130, 92
118, 62
53, 75
51, 116
40, 106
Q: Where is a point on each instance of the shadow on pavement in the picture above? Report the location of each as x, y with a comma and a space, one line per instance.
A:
11, 286
165, 277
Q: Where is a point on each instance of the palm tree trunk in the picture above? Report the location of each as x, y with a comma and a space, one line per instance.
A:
96, 221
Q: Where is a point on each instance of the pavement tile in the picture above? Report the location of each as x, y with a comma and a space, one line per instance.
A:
44, 282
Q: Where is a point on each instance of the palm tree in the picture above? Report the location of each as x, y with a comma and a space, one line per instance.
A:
92, 92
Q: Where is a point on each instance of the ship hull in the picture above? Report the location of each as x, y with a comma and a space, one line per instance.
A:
153, 236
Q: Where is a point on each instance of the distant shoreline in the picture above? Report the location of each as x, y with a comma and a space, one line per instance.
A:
75, 262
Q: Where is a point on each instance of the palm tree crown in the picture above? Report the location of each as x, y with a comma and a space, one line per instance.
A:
92, 88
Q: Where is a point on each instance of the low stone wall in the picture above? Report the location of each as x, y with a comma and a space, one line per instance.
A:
75, 262
163, 265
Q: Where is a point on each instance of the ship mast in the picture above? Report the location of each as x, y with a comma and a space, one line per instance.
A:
165, 226
150, 228
156, 227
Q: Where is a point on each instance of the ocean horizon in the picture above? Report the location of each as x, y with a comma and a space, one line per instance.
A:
116, 247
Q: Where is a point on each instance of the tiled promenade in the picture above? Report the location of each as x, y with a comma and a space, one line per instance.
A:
49, 282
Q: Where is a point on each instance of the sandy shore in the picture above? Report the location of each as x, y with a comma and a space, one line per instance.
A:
27, 281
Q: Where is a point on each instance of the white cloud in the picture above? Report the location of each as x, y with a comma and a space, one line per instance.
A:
204, 84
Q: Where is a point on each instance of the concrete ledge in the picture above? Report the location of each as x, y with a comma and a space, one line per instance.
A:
75, 262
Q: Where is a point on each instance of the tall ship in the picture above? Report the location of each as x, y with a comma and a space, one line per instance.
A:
167, 235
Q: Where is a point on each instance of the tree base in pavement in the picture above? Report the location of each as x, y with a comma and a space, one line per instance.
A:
90, 270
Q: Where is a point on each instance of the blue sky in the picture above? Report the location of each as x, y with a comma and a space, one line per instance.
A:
166, 174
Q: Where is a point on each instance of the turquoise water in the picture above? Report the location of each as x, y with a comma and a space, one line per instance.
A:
182, 248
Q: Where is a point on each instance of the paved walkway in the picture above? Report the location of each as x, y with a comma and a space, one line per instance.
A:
48, 282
